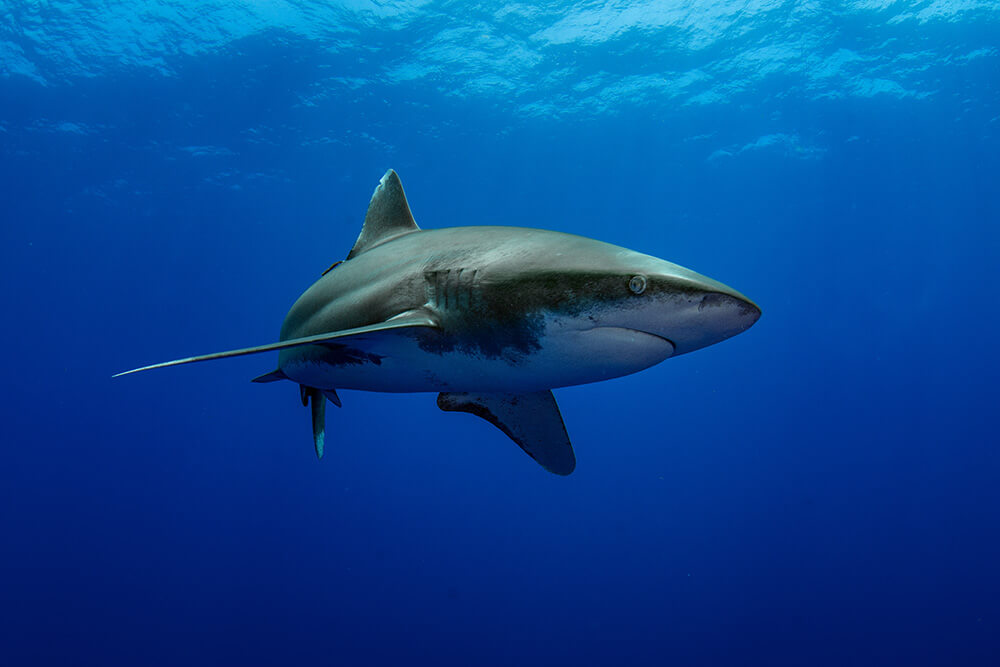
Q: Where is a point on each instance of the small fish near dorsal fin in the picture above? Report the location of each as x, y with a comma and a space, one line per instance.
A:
388, 215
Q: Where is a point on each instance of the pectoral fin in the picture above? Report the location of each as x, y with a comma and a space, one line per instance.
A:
405, 320
531, 420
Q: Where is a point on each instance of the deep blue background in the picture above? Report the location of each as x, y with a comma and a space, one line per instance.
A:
820, 490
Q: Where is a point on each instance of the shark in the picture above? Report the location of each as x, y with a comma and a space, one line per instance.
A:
491, 318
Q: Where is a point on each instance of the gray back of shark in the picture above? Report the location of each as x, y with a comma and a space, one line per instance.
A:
491, 318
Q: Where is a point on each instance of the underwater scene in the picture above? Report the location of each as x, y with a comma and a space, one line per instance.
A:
656, 332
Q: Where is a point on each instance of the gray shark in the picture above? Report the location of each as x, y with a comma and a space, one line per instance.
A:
491, 318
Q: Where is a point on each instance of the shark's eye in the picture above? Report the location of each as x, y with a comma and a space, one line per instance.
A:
637, 284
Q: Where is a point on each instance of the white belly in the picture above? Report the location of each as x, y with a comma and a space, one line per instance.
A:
567, 355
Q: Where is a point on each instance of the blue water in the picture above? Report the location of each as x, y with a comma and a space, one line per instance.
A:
823, 489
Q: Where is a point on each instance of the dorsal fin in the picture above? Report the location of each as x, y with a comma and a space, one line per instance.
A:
388, 215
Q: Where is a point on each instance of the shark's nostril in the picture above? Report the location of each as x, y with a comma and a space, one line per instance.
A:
713, 300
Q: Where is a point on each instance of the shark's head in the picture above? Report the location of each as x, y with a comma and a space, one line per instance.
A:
658, 297
596, 285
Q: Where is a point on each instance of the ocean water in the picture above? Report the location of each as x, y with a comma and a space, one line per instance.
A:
823, 489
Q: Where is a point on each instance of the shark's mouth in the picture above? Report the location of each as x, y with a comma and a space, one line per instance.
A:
654, 335
626, 340
658, 337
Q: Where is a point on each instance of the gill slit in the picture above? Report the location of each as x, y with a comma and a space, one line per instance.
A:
452, 289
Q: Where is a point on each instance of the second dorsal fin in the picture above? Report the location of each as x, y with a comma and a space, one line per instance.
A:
388, 215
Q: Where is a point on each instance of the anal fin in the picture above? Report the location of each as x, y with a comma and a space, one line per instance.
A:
532, 420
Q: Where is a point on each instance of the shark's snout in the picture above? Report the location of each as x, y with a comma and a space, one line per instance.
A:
712, 316
692, 311
729, 313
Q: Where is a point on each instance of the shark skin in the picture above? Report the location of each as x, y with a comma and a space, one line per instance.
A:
491, 318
